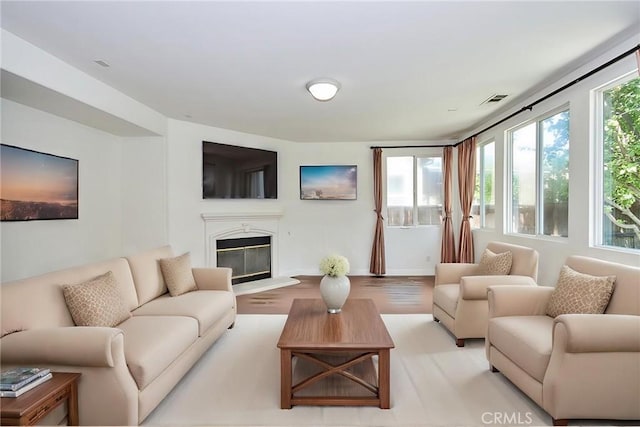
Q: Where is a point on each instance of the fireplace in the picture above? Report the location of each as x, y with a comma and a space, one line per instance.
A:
248, 257
220, 227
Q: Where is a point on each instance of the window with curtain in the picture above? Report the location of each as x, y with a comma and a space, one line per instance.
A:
414, 190
617, 123
483, 209
538, 182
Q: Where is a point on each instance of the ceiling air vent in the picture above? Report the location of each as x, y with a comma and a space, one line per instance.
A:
493, 99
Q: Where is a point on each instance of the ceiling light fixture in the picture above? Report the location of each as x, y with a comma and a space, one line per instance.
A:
323, 89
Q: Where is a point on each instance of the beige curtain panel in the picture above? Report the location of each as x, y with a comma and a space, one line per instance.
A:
448, 247
466, 184
377, 265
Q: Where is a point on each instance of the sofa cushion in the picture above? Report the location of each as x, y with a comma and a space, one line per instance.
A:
495, 264
207, 307
147, 276
152, 343
579, 293
446, 297
96, 302
525, 340
177, 274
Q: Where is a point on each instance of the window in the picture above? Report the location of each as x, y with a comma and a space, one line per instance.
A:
483, 209
414, 191
538, 181
618, 168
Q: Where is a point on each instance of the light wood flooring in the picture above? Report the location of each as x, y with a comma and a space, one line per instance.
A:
392, 295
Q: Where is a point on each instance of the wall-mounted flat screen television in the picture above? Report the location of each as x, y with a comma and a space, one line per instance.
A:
234, 172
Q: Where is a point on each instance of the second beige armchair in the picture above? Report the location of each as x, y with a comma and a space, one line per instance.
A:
460, 293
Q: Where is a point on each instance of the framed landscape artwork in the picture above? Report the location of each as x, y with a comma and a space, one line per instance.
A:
37, 186
331, 182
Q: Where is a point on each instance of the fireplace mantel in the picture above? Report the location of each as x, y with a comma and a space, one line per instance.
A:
235, 216
227, 225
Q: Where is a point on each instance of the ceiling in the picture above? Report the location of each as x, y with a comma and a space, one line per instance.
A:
410, 71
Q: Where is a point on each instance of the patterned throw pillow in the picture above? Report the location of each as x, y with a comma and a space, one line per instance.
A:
580, 293
178, 275
97, 302
495, 264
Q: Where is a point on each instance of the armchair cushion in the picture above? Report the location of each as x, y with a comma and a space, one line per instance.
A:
531, 350
495, 264
579, 293
96, 302
447, 297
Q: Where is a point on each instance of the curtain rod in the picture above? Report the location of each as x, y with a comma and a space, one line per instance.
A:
534, 103
413, 146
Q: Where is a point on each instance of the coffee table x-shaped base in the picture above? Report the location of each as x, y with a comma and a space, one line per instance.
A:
357, 368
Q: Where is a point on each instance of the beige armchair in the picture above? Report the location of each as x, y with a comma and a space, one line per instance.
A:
574, 366
460, 294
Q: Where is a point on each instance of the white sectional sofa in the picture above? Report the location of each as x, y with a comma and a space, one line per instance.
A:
126, 370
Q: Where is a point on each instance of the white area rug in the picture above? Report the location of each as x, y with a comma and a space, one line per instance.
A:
433, 383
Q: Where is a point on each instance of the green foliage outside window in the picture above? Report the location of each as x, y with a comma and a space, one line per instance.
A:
621, 178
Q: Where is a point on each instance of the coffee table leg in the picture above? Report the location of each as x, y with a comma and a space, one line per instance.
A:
384, 376
285, 379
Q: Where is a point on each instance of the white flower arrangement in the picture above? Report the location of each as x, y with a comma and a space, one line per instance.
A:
334, 265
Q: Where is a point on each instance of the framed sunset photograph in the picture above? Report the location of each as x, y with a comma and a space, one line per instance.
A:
330, 182
37, 186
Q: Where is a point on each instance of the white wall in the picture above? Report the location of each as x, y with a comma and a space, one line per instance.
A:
34, 247
144, 194
553, 252
312, 229
309, 229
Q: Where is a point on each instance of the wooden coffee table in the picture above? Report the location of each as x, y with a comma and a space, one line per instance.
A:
329, 359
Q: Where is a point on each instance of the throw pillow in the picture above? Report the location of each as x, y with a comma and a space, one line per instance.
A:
580, 293
97, 302
178, 275
492, 263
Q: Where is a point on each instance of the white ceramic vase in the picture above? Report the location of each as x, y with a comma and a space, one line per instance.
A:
334, 291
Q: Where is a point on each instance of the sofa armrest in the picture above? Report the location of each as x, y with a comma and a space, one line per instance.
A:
518, 300
213, 279
107, 393
475, 287
447, 273
597, 333
69, 346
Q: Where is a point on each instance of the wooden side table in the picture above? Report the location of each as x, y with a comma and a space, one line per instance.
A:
30, 407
